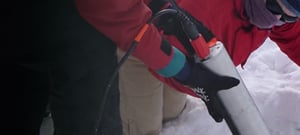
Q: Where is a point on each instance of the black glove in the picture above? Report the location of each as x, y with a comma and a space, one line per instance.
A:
206, 84
200, 79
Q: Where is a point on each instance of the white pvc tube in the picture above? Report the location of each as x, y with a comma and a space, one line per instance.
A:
237, 100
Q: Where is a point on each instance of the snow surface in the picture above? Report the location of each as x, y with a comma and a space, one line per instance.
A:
273, 81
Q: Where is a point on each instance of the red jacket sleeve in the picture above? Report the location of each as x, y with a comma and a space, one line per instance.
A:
288, 39
121, 20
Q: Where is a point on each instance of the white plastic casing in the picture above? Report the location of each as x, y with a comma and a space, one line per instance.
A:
237, 100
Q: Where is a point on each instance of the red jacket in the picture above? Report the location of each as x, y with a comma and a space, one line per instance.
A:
121, 20
226, 19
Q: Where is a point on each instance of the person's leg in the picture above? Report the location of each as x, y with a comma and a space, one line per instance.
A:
174, 103
36, 93
75, 106
84, 60
141, 99
79, 91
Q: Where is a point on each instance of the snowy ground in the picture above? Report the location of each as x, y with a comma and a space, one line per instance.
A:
274, 83
272, 80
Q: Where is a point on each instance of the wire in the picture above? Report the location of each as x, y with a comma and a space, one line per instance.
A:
161, 13
122, 61
109, 84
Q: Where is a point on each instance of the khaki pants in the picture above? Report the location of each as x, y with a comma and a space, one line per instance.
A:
145, 102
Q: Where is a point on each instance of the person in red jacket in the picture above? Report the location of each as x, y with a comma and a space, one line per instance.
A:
248, 24
242, 26
127, 21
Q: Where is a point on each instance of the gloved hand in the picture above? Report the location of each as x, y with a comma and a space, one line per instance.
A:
203, 83
195, 79
206, 84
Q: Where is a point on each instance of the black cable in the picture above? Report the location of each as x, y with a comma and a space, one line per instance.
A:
161, 13
109, 84
122, 61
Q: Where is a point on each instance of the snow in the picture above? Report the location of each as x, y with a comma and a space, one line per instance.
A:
273, 81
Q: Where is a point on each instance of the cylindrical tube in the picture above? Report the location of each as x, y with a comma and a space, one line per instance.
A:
237, 101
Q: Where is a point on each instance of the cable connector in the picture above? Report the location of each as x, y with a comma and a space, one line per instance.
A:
197, 41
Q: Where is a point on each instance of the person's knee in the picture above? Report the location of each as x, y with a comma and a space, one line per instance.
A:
142, 115
174, 104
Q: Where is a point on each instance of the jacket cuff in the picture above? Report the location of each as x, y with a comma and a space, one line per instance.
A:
175, 65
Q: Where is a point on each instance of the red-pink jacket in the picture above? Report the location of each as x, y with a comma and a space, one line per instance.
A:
121, 20
227, 20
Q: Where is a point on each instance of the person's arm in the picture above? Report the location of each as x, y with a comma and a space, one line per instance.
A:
288, 39
121, 21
